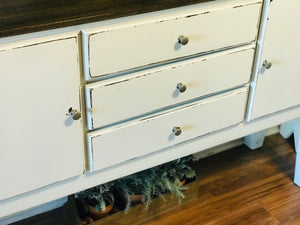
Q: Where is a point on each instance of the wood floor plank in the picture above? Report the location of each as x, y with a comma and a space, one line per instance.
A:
251, 214
239, 186
284, 204
232, 203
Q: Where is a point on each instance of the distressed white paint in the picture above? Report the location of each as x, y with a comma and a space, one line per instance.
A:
257, 58
139, 44
39, 144
144, 92
85, 181
13, 167
277, 88
112, 146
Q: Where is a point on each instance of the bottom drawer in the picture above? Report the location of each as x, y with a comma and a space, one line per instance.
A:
111, 146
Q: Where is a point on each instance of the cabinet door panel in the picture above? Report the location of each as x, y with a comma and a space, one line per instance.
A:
277, 88
39, 144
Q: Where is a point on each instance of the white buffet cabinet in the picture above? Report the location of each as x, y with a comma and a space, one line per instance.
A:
87, 104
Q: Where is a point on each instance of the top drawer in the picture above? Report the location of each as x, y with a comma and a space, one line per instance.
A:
121, 47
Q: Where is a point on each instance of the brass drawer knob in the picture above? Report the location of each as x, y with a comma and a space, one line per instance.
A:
74, 113
183, 40
267, 64
181, 87
177, 131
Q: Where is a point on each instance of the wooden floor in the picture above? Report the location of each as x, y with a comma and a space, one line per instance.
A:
238, 186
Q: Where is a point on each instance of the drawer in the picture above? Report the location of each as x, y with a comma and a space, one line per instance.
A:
109, 146
116, 48
129, 96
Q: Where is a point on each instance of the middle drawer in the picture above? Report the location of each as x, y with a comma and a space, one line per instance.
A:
126, 97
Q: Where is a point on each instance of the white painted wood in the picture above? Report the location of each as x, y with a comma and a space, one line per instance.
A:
255, 140
257, 57
112, 146
232, 144
66, 187
34, 211
217, 149
297, 147
39, 144
129, 96
272, 130
297, 163
138, 43
59, 138
286, 130
277, 88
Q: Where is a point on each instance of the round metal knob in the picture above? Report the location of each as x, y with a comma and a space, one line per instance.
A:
181, 87
74, 113
183, 40
267, 64
177, 131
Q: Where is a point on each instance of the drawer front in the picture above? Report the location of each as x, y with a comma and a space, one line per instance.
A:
114, 49
144, 92
108, 147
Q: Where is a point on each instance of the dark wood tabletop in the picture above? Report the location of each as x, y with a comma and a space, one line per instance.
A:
24, 16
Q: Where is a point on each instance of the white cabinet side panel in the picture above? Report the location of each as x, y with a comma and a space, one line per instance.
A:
277, 88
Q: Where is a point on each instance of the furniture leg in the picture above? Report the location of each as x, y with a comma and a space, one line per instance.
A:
255, 140
286, 130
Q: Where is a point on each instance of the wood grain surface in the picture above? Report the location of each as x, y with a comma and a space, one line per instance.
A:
237, 187
24, 16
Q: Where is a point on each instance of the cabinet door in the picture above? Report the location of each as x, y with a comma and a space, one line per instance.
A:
277, 88
39, 143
